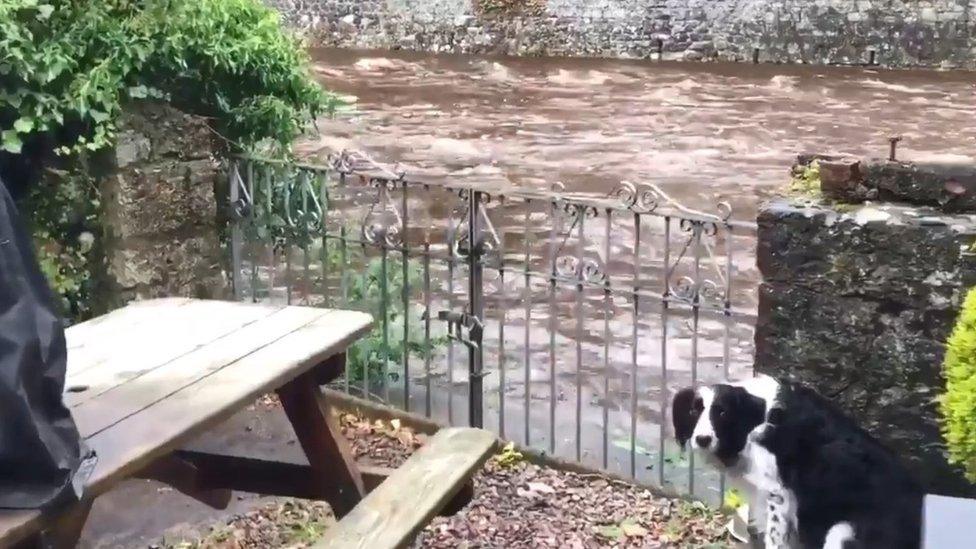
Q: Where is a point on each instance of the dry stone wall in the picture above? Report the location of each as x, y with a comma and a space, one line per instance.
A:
897, 33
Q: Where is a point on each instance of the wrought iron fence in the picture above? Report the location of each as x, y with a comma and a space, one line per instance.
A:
563, 320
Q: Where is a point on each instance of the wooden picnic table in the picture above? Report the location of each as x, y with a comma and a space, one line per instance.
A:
145, 380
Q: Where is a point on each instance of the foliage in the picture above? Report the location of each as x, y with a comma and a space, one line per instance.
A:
376, 355
511, 7
67, 68
958, 404
509, 457
61, 222
806, 180
733, 499
286, 210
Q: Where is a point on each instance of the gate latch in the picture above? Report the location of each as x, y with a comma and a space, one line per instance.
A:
458, 323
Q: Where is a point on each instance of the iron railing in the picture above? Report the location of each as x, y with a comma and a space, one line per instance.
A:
580, 314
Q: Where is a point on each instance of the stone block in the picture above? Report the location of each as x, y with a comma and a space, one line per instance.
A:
840, 179
144, 268
915, 257
163, 198
159, 212
857, 303
615, 27
950, 186
151, 131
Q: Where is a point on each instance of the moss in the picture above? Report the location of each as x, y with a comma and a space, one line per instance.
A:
511, 7
958, 405
844, 208
806, 180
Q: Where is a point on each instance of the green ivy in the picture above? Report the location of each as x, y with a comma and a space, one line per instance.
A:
374, 354
285, 211
62, 221
958, 404
68, 66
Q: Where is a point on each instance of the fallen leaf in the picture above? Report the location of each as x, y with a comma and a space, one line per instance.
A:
633, 530
610, 531
541, 488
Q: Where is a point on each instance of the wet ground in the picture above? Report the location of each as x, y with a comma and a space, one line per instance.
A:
516, 504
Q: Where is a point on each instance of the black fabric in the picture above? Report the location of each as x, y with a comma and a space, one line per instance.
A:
42, 459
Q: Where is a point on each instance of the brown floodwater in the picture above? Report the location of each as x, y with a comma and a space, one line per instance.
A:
703, 132
566, 366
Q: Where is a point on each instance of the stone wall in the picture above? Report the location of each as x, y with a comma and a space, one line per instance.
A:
159, 210
900, 33
858, 299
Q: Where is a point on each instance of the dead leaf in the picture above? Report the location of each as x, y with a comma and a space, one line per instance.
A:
541, 488
633, 530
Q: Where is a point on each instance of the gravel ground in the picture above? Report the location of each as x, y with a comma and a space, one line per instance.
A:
517, 504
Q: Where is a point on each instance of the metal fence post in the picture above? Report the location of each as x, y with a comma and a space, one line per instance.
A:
238, 212
476, 308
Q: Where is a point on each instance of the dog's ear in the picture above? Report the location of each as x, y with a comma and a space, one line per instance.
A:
751, 408
681, 416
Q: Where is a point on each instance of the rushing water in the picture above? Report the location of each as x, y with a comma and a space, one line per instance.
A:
703, 133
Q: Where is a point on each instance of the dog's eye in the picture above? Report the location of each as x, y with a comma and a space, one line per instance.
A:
719, 410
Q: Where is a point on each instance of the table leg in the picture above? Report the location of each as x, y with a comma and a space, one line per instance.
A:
333, 465
63, 532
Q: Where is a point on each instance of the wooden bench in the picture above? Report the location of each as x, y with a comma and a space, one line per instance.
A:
144, 381
393, 514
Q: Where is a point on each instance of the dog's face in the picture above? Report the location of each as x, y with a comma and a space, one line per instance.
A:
716, 419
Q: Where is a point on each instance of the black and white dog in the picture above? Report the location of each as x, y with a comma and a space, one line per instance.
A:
814, 478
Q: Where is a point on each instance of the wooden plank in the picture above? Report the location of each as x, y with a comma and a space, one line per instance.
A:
114, 404
137, 312
85, 341
393, 514
332, 462
151, 345
282, 478
165, 426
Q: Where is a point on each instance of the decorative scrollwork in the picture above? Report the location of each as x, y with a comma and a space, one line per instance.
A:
303, 209
709, 286
648, 197
585, 271
243, 207
707, 228
644, 199
487, 242
576, 211
383, 223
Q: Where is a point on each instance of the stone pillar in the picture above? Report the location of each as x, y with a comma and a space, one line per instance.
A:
159, 210
858, 297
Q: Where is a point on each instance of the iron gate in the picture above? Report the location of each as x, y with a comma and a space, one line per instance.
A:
579, 316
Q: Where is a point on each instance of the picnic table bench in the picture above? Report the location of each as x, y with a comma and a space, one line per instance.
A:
148, 379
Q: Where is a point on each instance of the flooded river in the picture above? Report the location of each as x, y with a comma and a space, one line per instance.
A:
584, 374
704, 132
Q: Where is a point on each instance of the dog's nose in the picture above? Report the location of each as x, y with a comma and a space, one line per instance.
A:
704, 441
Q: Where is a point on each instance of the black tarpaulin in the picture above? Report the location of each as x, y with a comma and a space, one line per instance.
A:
42, 459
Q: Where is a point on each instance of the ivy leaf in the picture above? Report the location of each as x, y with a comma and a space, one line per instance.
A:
10, 142
138, 92
24, 125
44, 12
98, 116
